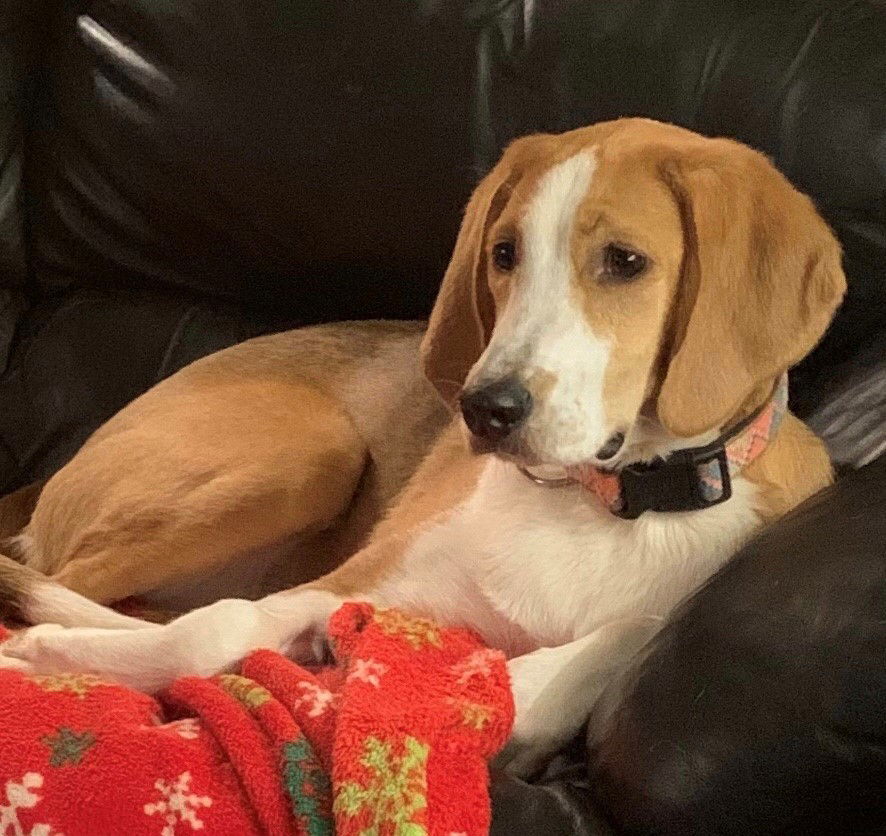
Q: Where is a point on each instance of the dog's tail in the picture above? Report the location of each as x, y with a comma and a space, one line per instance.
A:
31, 597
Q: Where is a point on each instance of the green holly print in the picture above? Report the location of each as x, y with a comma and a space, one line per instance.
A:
75, 683
308, 787
68, 747
417, 631
473, 714
244, 690
395, 795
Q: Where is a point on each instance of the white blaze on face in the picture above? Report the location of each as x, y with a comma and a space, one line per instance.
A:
542, 331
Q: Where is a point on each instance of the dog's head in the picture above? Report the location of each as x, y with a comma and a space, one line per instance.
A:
626, 274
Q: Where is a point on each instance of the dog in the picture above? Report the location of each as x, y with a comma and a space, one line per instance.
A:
609, 344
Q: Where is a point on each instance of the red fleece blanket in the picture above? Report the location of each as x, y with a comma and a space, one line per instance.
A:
392, 740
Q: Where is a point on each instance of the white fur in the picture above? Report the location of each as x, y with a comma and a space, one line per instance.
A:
648, 440
542, 327
51, 602
520, 561
565, 588
555, 688
203, 642
528, 567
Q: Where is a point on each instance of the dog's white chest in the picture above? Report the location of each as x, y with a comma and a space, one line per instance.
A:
557, 564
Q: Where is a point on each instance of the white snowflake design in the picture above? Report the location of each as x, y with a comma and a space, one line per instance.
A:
177, 804
479, 663
20, 796
369, 671
189, 728
319, 699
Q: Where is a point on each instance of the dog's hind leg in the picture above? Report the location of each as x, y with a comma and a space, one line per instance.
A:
182, 484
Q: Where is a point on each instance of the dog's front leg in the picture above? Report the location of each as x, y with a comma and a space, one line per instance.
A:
202, 642
555, 688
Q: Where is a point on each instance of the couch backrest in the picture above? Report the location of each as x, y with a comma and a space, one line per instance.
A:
310, 158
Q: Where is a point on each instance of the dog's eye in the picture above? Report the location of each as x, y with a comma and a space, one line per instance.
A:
504, 256
621, 264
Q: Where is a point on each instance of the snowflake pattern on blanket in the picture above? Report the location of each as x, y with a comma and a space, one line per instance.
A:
390, 741
177, 804
21, 795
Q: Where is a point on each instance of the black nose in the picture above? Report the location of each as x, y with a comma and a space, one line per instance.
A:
494, 411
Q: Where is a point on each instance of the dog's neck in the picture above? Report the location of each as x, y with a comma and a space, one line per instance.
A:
685, 475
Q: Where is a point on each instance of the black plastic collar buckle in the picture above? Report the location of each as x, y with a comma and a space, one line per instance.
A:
673, 484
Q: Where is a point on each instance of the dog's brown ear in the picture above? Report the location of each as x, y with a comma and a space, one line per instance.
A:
464, 313
760, 282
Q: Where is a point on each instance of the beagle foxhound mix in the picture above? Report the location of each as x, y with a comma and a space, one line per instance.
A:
614, 328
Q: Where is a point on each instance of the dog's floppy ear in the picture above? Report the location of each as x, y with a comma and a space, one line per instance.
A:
464, 313
760, 282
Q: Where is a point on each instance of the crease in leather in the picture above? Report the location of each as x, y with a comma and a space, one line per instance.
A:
166, 365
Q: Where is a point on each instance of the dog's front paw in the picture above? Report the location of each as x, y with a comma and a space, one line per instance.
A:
542, 725
36, 651
301, 618
556, 687
132, 657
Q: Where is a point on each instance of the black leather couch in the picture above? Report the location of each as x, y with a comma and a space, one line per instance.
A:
177, 176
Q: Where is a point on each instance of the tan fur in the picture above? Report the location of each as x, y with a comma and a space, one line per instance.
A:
446, 477
253, 448
17, 582
790, 470
765, 278
294, 445
733, 241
